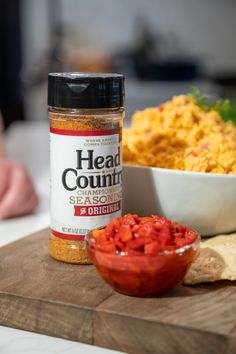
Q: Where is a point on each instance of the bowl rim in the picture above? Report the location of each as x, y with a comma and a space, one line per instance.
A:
189, 173
180, 250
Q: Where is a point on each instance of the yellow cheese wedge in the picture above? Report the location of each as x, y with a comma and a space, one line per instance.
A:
216, 260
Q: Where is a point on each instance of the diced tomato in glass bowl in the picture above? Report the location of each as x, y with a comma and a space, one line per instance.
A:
142, 256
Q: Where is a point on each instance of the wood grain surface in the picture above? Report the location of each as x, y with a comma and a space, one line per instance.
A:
71, 301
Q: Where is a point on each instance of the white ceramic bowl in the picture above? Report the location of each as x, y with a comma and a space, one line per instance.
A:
204, 202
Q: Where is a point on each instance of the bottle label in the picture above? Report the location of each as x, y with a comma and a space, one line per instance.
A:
86, 180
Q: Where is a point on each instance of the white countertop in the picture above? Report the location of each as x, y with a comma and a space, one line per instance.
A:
28, 143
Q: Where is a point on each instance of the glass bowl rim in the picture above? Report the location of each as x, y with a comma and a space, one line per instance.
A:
176, 251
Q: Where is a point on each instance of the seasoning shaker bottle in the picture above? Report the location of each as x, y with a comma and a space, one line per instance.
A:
86, 112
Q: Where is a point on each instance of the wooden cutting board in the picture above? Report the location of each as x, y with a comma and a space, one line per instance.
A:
70, 301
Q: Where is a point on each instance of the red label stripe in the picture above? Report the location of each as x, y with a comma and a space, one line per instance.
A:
84, 132
68, 236
96, 210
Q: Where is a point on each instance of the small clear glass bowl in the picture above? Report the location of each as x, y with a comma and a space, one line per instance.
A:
142, 275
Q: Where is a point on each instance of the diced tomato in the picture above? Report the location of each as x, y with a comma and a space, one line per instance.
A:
130, 219
148, 234
190, 237
109, 247
146, 229
145, 219
119, 244
101, 239
152, 248
163, 220
165, 236
135, 228
117, 224
97, 233
178, 235
125, 234
180, 242
137, 243
109, 230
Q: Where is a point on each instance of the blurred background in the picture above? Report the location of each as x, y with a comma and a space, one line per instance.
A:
162, 46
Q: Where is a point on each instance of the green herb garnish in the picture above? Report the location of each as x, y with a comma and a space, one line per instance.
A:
203, 102
230, 114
